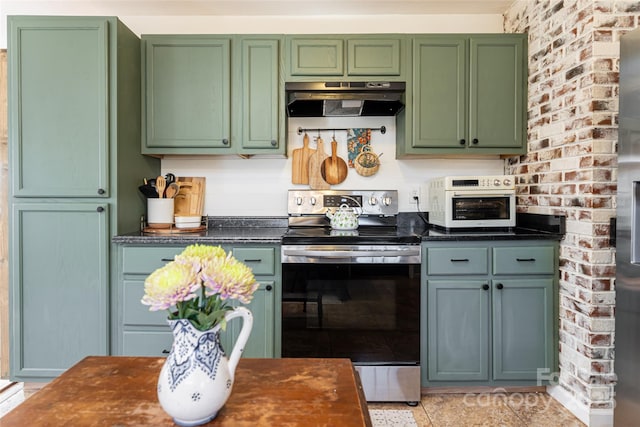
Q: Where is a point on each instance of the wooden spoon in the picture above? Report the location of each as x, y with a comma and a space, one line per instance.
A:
172, 190
161, 184
334, 169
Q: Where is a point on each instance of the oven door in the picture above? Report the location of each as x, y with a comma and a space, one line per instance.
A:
357, 303
465, 209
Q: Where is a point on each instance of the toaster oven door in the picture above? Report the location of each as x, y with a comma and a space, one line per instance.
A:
481, 209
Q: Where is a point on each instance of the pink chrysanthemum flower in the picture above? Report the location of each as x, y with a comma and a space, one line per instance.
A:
228, 278
171, 284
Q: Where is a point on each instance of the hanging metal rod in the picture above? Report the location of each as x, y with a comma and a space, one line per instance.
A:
301, 130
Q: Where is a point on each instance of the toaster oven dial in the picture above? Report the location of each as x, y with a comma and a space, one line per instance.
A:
373, 201
386, 201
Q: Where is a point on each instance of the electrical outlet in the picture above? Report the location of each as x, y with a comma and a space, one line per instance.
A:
414, 196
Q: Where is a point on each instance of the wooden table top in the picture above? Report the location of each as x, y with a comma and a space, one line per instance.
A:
121, 391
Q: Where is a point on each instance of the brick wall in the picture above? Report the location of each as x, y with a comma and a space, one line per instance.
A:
570, 169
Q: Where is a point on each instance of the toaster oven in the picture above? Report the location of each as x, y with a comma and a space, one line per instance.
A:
472, 201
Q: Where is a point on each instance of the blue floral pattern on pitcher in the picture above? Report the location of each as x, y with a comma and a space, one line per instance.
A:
192, 350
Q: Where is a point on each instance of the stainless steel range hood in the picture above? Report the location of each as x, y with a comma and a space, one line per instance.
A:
331, 99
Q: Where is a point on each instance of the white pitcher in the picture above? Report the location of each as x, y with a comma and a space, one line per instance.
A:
196, 379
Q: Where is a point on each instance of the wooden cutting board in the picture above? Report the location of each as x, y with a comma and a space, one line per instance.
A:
300, 162
190, 199
316, 182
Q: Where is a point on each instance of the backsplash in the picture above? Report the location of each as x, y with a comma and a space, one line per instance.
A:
258, 186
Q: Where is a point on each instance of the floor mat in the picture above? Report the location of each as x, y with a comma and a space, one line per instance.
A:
392, 418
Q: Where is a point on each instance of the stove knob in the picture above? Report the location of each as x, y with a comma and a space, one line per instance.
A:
386, 201
313, 201
298, 200
497, 182
507, 182
373, 201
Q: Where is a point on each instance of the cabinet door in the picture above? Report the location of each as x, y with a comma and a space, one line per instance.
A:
187, 103
316, 57
522, 328
497, 92
58, 106
440, 87
260, 62
373, 57
458, 330
59, 286
261, 340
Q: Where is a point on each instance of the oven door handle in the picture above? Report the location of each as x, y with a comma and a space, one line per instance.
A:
481, 194
342, 254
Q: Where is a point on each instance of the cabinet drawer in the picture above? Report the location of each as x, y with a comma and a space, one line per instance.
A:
145, 260
457, 261
524, 260
260, 260
145, 343
136, 313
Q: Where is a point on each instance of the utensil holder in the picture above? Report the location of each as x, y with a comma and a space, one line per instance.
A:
160, 213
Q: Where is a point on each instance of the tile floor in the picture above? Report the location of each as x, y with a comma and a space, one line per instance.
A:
466, 410
491, 410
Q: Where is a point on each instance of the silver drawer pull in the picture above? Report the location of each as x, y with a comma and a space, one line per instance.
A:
459, 259
525, 259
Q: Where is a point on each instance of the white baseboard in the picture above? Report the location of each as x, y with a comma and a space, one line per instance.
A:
591, 417
10, 397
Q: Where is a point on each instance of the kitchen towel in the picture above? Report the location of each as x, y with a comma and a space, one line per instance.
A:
356, 139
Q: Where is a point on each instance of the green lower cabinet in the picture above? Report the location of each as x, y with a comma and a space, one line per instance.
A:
140, 332
261, 340
458, 330
59, 294
489, 313
522, 328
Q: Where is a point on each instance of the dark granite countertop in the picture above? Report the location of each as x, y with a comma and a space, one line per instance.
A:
528, 227
271, 229
219, 231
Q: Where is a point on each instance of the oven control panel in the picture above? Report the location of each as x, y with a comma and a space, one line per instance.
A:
485, 182
366, 202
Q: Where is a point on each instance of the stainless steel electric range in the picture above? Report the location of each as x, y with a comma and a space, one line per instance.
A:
354, 293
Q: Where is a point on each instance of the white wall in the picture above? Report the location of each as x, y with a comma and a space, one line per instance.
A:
255, 186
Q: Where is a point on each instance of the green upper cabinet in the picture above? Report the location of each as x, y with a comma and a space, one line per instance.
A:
497, 93
315, 56
374, 57
259, 123
211, 94
188, 93
340, 57
469, 96
61, 149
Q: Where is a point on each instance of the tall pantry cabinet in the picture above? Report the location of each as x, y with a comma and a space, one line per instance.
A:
75, 165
